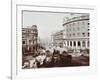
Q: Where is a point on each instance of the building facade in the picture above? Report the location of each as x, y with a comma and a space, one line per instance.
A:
76, 32
57, 39
29, 39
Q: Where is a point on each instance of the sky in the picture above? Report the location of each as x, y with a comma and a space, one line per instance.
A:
47, 22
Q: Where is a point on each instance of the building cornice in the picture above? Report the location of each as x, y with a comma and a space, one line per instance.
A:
74, 21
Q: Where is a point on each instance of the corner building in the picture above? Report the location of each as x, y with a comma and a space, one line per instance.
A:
77, 32
29, 39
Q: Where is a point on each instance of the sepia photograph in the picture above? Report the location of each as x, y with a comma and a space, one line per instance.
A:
55, 39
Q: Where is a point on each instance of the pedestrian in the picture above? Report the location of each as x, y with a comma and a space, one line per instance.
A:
40, 59
48, 60
33, 63
63, 60
56, 59
26, 64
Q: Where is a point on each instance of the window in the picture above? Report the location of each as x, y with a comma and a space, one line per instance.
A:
67, 28
70, 43
77, 23
23, 42
70, 35
70, 29
79, 44
29, 41
67, 35
23, 31
23, 36
73, 29
88, 29
70, 25
73, 34
83, 34
78, 28
73, 24
88, 23
78, 34
74, 43
29, 31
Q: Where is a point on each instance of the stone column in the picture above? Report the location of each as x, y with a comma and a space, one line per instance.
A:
72, 44
76, 44
81, 44
69, 44
65, 43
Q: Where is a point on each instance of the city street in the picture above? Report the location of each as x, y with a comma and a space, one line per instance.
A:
46, 59
63, 44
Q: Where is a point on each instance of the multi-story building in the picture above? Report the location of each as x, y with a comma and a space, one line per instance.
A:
29, 39
76, 32
57, 39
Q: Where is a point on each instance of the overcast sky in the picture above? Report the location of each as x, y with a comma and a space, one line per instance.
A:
47, 22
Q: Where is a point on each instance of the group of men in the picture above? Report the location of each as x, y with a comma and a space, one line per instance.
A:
47, 59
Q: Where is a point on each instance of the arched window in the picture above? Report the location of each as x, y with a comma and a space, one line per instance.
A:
73, 29
74, 43
70, 43
79, 44
83, 34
